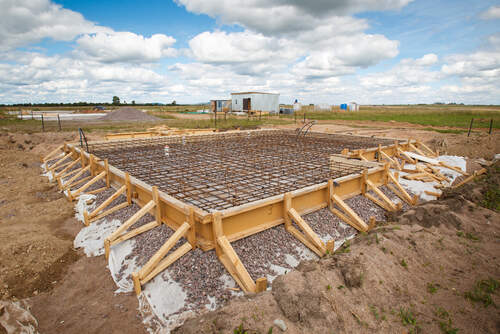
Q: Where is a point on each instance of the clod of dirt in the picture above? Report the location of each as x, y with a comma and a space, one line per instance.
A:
353, 272
296, 297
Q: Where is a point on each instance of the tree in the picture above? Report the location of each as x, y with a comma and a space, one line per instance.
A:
116, 100
133, 102
174, 102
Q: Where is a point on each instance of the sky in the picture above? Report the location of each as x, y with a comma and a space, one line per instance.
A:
191, 51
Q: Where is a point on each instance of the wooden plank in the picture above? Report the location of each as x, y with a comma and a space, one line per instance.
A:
160, 254
296, 233
406, 156
107, 201
68, 167
413, 147
456, 169
82, 180
68, 183
346, 219
93, 192
135, 217
58, 162
402, 192
379, 202
470, 178
309, 233
52, 153
109, 211
426, 148
354, 216
88, 184
380, 194
432, 193
134, 232
165, 263
242, 272
229, 267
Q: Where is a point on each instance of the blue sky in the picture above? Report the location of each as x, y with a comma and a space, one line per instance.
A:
384, 51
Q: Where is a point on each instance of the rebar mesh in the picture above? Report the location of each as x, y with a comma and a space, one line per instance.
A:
220, 171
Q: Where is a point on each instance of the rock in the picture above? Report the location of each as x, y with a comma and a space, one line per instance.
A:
496, 157
280, 324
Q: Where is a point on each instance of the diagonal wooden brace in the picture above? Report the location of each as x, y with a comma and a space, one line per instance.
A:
349, 216
90, 217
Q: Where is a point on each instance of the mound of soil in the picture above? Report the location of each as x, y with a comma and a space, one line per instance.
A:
434, 269
128, 114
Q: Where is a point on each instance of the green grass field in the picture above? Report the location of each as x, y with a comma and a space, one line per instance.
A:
439, 116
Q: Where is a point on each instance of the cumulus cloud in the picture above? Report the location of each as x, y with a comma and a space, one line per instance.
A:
484, 63
278, 16
126, 47
493, 13
29, 21
409, 75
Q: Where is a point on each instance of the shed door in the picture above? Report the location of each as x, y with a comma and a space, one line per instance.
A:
247, 105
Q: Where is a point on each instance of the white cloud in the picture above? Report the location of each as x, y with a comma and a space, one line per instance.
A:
408, 75
484, 63
126, 47
278, 16
29, 21
493, 13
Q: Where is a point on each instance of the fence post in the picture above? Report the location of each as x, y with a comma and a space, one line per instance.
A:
491, 126
470, 126
43, 124
59, 122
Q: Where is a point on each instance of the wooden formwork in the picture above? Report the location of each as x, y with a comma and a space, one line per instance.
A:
216, 230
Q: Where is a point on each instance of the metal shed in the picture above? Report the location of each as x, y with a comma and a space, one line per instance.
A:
253, 101
220, 105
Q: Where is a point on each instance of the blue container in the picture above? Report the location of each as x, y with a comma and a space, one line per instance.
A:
343, 106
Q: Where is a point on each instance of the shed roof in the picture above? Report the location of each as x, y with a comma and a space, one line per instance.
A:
241, 93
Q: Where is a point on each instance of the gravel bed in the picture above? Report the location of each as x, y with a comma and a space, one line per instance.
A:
265, 254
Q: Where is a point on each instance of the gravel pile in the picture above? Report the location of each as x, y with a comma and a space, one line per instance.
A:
128, 114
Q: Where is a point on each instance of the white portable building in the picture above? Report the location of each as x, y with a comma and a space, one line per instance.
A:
255, 101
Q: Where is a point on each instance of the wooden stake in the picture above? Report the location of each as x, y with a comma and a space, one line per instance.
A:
156, 199
217, 231
191, 235
129, 188
287, 205
260, 284
106, 168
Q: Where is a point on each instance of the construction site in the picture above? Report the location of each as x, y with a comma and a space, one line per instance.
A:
189, 220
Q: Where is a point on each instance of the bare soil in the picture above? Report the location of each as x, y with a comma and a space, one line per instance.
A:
67, 292
434, 269
364, 288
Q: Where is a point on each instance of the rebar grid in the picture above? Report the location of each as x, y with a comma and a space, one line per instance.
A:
225, 170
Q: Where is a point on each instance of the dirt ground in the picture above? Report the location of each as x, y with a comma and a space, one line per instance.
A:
479, 145
434, 269
70, 293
